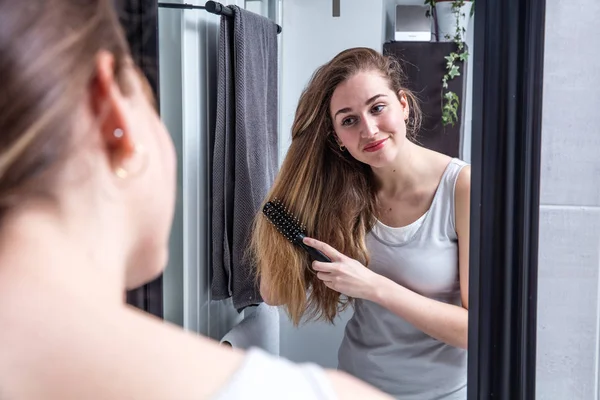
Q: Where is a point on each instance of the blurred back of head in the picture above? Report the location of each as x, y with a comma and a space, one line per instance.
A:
47, 59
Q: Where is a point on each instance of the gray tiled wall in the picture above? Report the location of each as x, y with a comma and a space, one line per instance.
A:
567, 360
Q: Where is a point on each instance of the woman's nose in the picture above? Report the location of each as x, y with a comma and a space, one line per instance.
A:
369, 128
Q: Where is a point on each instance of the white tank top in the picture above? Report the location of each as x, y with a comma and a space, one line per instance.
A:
383, 349
266, 377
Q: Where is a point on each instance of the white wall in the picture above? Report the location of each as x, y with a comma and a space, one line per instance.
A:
568, 344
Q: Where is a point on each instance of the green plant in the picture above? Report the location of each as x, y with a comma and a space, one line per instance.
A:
450, 100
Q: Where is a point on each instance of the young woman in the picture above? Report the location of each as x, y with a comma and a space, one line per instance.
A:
391, 215
86, 203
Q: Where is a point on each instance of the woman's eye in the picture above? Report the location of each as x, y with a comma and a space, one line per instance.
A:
378, 108
348, 121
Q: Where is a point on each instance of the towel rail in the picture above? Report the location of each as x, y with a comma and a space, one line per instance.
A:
212, 7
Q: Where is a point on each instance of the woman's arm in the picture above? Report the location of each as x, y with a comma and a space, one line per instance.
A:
442, 321
445, 322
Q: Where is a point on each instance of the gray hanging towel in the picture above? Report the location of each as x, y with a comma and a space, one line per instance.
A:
245, 148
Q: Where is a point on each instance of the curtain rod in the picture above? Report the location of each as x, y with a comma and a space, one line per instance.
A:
212, 7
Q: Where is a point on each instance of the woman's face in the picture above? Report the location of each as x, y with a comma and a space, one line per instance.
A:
369, 118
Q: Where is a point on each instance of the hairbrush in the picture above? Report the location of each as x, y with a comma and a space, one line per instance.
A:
290, 228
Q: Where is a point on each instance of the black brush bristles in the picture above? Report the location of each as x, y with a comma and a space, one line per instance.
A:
284, 221
289, 226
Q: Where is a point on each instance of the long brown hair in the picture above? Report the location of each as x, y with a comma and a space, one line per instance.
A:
48, 52
329, 191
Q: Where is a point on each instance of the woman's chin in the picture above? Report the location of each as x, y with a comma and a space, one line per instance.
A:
380, 159
147, 269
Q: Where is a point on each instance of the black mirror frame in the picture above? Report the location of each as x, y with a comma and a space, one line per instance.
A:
506, 145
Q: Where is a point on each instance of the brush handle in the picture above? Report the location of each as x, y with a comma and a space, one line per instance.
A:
314, 253
317, 254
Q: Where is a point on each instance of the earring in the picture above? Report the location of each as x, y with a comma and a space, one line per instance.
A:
123, 172
339, 143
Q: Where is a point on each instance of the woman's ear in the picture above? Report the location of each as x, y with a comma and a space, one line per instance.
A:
109, 107
338, 141
404, 103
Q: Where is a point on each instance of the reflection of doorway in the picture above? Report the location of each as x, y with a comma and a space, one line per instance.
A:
139, 19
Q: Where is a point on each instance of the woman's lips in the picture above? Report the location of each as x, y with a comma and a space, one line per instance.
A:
375, 145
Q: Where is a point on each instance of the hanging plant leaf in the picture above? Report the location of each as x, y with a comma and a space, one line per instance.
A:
450, 100
454, 71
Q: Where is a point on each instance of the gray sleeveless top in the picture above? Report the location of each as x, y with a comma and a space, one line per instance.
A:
383, 349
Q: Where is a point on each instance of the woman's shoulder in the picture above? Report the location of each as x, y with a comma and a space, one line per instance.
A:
103, 351
443, 159
440, 165
437, 162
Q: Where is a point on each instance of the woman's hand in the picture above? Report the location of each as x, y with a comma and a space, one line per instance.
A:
344, 274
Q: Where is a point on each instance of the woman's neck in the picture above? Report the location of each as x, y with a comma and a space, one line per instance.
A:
77, 260
405, 173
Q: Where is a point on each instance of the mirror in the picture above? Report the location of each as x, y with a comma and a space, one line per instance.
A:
371, 341
313, 32
311, 36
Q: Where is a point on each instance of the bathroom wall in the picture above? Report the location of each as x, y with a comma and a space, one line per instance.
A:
568, 298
